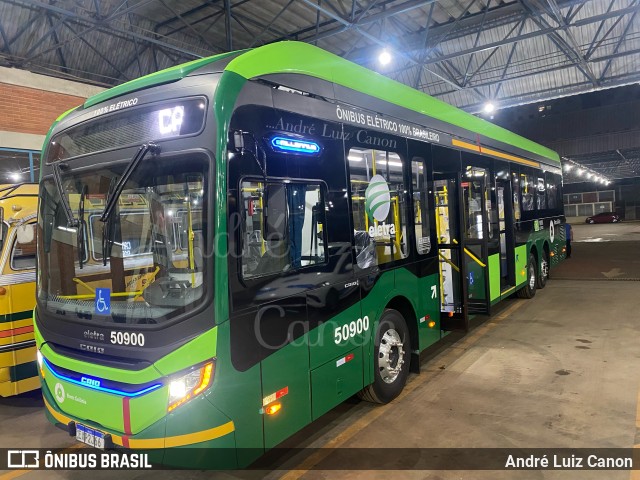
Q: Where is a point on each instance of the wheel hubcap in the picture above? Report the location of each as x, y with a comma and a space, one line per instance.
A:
532, 277
390, 356
545, 269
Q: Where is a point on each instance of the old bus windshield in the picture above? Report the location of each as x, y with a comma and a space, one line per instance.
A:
156, 236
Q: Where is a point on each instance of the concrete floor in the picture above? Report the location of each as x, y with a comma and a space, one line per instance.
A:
560, 370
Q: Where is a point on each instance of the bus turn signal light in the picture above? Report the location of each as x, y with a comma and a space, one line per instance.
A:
273, 408
183, 389
432, 324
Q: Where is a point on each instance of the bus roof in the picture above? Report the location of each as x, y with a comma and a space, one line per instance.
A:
305, 59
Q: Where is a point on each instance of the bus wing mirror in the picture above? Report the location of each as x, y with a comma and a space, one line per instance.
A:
238, 140
275, 212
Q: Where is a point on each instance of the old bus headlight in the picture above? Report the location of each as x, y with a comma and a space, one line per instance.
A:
184, 388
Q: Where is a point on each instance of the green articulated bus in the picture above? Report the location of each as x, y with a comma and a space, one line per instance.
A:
229, 248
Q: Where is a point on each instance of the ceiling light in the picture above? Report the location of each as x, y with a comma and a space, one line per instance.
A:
384, 58
489, 107
580, 172
567, 167
16, 177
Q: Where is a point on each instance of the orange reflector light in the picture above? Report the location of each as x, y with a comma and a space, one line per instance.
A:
522, 272
273, 409
552, 254
564, 249
3, 291
205, 378
432, 324
450, 314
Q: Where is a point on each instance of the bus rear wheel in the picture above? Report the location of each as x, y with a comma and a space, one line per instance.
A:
541, 281
529, 290
391, 358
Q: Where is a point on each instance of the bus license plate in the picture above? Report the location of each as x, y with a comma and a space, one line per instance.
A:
90, 436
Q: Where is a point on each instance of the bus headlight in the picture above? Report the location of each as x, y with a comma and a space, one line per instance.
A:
184, 388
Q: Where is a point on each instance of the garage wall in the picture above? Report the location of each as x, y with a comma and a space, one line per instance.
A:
29, 103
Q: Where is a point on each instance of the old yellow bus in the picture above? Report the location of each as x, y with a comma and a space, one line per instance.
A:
18, 210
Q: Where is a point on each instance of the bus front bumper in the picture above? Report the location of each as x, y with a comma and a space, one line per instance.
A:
166, 441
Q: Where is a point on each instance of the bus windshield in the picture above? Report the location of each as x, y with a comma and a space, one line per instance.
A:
144, 263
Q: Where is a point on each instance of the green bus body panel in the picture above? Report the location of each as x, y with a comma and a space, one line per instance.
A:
521, 255
229, 87
163, 76
238, 396
155, 430
82, 403
335, 381
322, 345
494, 276
287, 368
201, 348
426, 308
145, 410
145, 375
305, 59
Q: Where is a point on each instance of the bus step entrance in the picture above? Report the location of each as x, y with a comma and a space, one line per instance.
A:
478, 307
451, 321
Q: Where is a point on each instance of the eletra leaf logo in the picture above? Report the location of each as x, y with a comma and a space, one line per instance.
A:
377, 199
59, 392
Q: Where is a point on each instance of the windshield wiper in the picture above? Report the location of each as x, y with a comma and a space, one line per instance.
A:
82, 226
107, 230
114, 194
57, 178
115, 189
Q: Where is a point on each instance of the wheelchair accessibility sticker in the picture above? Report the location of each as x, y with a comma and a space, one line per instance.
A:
103, 301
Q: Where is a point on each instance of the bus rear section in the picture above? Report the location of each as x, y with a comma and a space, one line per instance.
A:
18, 371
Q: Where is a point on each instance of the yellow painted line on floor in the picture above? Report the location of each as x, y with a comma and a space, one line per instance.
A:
367, 419
19, 473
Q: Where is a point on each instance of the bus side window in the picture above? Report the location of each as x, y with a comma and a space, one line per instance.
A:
23, 253
541, 193
528, 192
303, 244
379, 207
552, 190
420, 192
516, 198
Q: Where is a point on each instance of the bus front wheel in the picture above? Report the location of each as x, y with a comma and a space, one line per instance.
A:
529, 289
391, 358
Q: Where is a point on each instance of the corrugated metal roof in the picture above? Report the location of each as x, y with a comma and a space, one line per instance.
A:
465, 52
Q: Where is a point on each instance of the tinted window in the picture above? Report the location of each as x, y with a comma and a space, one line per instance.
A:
295, 212
378, 200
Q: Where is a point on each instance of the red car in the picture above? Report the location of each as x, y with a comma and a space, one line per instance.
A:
604, 217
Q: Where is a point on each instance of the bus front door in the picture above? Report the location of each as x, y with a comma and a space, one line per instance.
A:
447, 194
